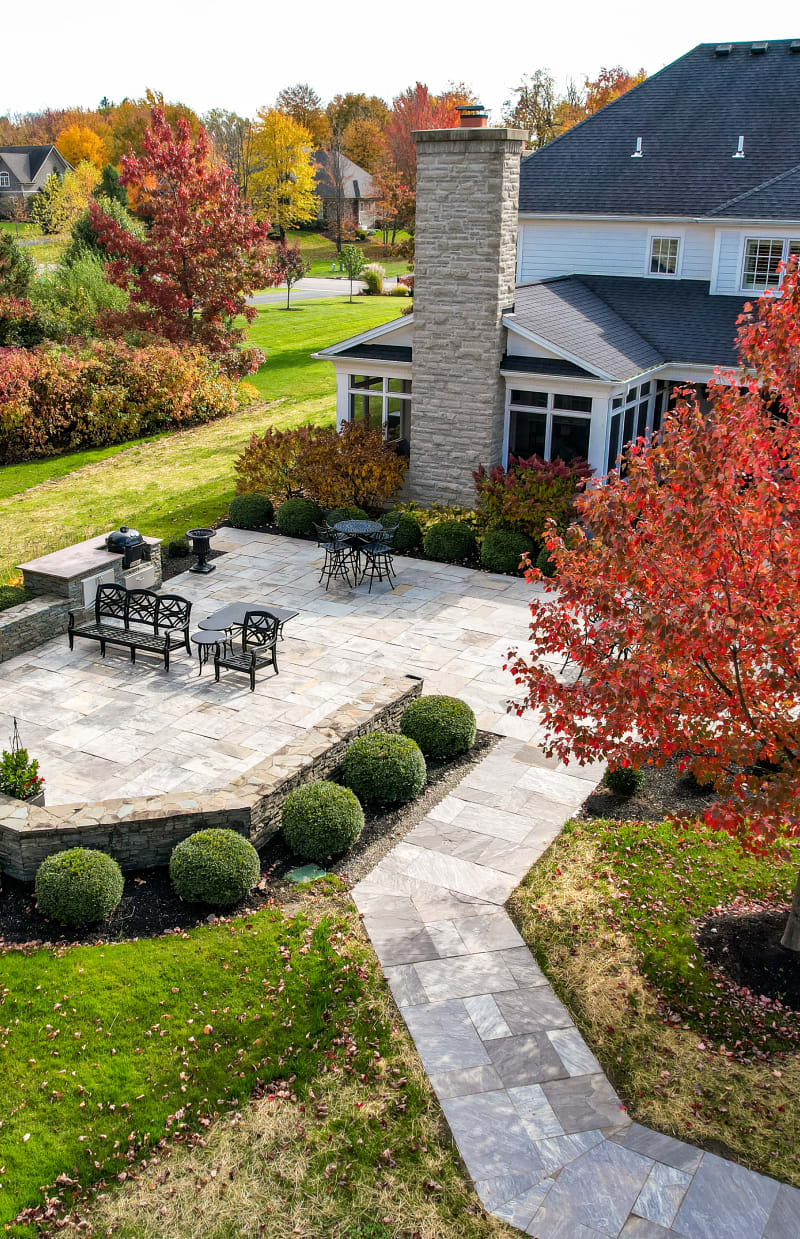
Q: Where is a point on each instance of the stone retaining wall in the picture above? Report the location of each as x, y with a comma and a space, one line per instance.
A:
142, 831
32, 623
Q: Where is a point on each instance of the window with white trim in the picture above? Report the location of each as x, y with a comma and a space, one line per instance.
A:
664, 255
762, 259
377, 400
637, 414
549, 425
5, 180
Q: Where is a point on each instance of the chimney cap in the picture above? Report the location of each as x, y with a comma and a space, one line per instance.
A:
472, 116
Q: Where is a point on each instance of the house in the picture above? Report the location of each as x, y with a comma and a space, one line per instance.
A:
339, 180
24, 170
557, 303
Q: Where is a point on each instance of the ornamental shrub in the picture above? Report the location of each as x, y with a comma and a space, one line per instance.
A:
443, 727
21, 325
384, 767
351, 467
78, 887
545, 563
529, 492
407, 532
502, 550
178, 548
449, 541
270, 464
321, 820
298, 516
624, 781
373, 276
399, 290
345, 514
425, 517
217, 867
17, 268
250, 511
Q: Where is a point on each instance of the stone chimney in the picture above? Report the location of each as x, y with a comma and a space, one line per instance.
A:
464, 278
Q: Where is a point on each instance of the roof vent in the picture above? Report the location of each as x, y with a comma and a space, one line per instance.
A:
794, 46
473, 116
740, 148
723, 49
758, 49
637, 154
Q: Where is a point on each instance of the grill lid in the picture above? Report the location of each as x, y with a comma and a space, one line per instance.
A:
122, 538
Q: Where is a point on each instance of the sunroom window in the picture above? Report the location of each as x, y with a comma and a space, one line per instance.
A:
550, 425
381, 401
762, 259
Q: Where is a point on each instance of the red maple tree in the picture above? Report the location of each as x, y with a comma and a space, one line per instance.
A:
416, 108
288, 266
676, 616
203, 253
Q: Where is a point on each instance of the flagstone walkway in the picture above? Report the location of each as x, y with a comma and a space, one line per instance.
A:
541, 1130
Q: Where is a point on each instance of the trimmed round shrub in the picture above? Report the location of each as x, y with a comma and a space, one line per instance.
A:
217, 867
407, 531
250, 511
384, 767
502, 549
78, 887
449, 542
545, 564
178, 548
298, 516
624, 781
345, 514
442, 726
321, 820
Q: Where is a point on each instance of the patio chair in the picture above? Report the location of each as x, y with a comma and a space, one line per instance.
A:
258, 648
377, 554
340, 556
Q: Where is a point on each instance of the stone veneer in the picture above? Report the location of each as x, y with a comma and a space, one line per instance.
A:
142, 831
32, 623
464, 280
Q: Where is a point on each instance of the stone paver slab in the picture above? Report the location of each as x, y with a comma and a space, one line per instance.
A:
445, 1037
465, 1082
464, 976
535, 1111
660, 1147
527, 1059
726, 1199
662, 1194
485, 1015
596, 1190
534, 1010
784, 1220
490, 1136
583, 1103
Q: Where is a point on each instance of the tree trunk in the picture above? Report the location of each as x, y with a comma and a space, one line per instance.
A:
791, 934
288, 292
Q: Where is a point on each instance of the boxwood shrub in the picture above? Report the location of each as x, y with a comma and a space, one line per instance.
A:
250, 511
449, 542
384, 767
345, 514
178, 548
624, 781
321, 820
298, 516
217, 867
502, 549
78, 887
407, 531
442, 726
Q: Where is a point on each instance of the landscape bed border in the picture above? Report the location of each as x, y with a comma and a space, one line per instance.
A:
141, 831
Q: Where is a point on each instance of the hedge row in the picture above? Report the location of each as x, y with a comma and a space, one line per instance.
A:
56, 400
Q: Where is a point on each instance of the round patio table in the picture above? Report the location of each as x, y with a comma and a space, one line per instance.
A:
358, 528
208, 642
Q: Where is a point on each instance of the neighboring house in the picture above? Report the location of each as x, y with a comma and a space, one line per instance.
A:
562, 327
339, 179
24, 170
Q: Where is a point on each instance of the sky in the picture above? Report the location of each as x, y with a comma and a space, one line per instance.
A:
238, 56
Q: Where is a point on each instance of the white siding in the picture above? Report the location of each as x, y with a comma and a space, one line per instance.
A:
549, 248
729, 262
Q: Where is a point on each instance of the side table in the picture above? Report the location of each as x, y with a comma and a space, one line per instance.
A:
208, 642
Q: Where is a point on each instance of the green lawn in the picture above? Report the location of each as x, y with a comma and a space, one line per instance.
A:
321, 252
166, 485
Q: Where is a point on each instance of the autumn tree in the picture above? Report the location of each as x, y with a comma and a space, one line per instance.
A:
109, 187
416, 108
395, 200
203, 254
532, 108
304, 105
288, 266
344, 109
78, 143
609, 85
364, 141
61, 201
232, 136
570, 108
282, 182
334, 171
677, 618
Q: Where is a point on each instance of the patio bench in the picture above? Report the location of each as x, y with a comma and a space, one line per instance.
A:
164, 620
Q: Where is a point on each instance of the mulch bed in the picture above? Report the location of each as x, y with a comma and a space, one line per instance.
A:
665, 793
150, 907
174, 565
746, 946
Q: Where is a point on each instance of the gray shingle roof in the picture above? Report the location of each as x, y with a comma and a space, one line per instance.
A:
378, 352
689, 116
356, 183
590, 317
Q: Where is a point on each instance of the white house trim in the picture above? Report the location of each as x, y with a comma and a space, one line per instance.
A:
327, 354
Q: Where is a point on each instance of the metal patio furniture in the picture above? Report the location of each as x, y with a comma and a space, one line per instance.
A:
259, 647
341, 556
233, 615
377, 554
138, 619
358, 532
208, 641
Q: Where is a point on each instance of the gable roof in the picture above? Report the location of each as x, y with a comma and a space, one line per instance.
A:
589, 319
357, 183
26, 161
689, 116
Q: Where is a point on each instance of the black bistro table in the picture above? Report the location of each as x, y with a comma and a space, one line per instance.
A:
358, 529
232, 616
208, 641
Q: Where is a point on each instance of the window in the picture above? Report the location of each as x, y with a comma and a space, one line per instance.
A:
5, 180
380, 401
664, 255
636, 415
549, 425
762, 258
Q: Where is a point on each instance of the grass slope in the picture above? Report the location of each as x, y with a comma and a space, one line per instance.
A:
166, 485
610, 912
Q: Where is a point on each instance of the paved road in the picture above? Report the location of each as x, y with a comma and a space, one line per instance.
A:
310, 287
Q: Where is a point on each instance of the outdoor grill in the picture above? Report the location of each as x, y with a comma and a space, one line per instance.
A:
131, 543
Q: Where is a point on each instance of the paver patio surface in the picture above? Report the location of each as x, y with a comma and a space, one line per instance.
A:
104, 728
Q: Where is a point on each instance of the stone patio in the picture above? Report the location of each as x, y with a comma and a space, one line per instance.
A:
104, 729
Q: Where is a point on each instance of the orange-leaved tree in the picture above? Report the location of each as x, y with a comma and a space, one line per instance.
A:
677, 614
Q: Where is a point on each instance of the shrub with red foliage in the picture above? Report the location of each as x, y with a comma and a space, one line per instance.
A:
529, 493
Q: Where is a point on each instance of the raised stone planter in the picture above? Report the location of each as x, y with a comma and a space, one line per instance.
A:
141, 831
